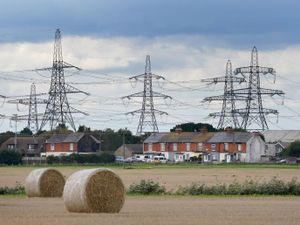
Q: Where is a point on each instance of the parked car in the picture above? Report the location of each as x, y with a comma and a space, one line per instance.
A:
119, 159
147, 158
131, 159
159, 159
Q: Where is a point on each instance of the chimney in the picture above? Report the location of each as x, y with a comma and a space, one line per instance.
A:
229, 129
203, 130
178, 130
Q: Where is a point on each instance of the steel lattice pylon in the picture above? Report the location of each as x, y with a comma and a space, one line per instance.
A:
58, 111
227, 116
147, 120
254, 112
32, 102
33, 124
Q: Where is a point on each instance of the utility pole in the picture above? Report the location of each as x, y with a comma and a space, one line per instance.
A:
58, 111
228, 117
254, 112
16, 129
147, 120
124, 147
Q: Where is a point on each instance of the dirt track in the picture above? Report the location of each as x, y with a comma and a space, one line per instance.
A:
158, 210
170, 177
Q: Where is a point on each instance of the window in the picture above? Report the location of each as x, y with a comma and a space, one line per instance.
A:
200, 147
239, 147
52, 147
71, 147
226, 146
213, 147
150, 147
32, 146
162, 147
175, 147
10, 146
188, 147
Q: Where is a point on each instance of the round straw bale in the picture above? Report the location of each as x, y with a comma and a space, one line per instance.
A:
44, 183
94, 191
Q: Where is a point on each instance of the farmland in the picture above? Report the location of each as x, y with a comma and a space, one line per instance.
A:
162, 209
171, 177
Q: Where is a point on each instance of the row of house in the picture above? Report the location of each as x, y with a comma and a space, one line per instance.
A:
227, 146
57, 144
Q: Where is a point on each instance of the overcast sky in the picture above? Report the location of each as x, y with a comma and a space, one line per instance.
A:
188, 40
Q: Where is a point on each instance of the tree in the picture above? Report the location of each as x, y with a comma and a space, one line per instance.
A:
10, 157
5, 136
83, 129
191, 127
26, 132
292, 150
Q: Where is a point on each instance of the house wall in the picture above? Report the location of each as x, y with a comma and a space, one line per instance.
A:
255, 150
120, 152
220, 147
87, 144
61, 147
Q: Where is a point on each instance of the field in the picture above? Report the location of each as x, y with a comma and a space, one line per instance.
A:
164, 210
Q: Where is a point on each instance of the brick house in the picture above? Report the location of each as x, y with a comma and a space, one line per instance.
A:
177, 146
230, 146
227, 146
27, 146
66, 144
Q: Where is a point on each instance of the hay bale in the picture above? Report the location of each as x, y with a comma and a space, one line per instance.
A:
44, 183
94, 191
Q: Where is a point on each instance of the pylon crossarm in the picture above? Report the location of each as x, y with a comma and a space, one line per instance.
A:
68, 65
26, 101
138, 94
159, 95
216, 80
73, 110
72, 90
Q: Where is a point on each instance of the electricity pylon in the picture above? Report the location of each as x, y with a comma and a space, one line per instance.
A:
58, 111
147, 120
227, 116
254, 112
32, 102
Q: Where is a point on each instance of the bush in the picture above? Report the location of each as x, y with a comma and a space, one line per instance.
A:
147, 187
292, 150
52, 159
10, 157
249, 187
17, 190
81, 158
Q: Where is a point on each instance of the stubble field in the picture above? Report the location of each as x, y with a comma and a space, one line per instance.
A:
161, 209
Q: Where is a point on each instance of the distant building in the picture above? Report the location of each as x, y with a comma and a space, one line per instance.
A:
131, 150
277, 140
66, 144
227, 146
27, 146
230, 146
178, 145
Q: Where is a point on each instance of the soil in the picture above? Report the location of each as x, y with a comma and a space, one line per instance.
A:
157, 210
171, 178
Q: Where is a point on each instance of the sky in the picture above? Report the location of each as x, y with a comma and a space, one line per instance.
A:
188, 41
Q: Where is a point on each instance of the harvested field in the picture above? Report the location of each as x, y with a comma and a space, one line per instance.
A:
157, 210
170, 177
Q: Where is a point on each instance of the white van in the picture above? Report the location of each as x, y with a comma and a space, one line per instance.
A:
159, 159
